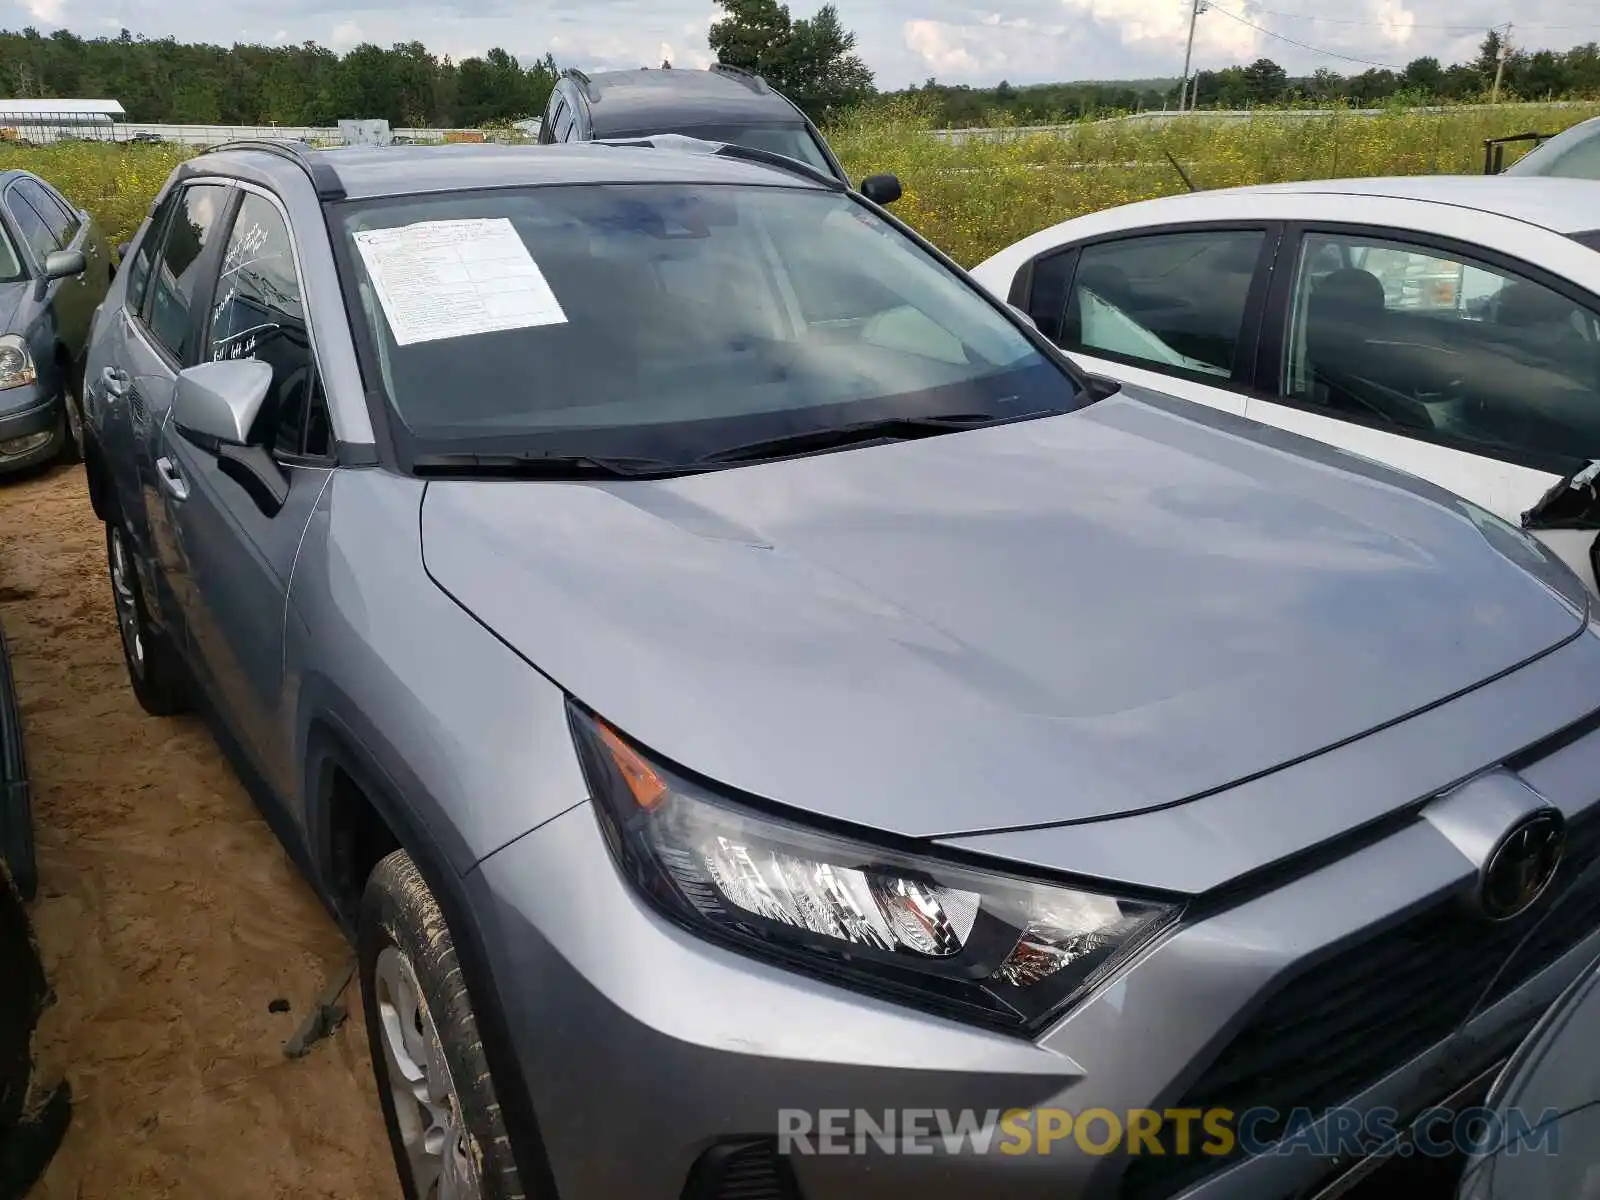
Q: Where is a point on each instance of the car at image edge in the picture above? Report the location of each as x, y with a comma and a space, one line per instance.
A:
753, 671
1449, 327
54, 272
1572, 154
720, 104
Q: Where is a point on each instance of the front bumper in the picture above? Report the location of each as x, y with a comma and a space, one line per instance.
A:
646, 1047
31, 427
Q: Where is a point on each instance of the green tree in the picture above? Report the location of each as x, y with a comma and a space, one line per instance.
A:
812, 60
1425, 75
1265, 82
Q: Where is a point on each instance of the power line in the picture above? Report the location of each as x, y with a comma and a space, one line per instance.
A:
1365, 62
1273, 12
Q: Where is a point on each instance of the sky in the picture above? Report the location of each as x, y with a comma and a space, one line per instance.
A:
903, 41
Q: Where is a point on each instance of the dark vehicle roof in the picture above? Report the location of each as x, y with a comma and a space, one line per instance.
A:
373, 171
632, 101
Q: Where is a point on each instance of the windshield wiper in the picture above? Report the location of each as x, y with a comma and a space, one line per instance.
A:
896, 429
546, 466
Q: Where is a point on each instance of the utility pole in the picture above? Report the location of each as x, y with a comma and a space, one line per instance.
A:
1499, 63
1196, 8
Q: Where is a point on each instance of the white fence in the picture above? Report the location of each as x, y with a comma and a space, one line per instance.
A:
211, 135
66, 128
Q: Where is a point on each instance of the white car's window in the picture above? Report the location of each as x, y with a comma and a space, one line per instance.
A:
1440, 345
1172, 300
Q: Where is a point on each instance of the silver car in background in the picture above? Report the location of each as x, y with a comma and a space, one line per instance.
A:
734, 679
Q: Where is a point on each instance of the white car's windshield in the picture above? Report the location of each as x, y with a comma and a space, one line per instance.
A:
672, 319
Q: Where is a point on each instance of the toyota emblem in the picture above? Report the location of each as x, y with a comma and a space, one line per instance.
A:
1522, 865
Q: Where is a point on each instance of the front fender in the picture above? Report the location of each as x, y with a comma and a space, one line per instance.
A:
472, 740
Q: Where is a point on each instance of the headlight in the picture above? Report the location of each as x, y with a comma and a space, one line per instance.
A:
972, 943
16, 364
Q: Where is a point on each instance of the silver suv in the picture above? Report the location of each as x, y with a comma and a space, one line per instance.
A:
762, 715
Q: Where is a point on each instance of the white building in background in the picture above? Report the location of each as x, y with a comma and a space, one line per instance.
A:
43, 121
366, 133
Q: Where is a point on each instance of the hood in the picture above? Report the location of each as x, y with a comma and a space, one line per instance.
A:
1063, 619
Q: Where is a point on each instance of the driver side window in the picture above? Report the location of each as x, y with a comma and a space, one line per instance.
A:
1443, 347
259, 312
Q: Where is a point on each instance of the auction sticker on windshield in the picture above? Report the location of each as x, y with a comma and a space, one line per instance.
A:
449, 279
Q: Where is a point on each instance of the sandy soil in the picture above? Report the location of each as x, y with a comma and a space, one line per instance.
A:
169, 919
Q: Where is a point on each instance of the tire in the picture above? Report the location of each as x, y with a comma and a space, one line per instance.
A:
72, 425
154, 668
421, 1027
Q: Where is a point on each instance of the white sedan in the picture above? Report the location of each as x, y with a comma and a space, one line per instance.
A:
1447, 326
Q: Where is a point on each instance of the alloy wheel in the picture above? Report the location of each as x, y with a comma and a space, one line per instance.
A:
127, 602
440, 1151
69, 401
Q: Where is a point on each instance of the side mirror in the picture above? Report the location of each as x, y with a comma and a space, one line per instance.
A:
219, 401
881, 189
64, 263
122, 250
216, 404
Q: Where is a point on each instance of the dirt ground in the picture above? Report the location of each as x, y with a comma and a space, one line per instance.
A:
169, 919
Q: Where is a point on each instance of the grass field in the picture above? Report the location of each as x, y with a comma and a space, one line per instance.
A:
974, 198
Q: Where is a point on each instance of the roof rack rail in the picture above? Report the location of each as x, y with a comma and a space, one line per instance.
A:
767, 158
587, 84
759, 82
324, 179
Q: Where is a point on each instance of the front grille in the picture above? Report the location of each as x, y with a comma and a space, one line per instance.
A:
742, 1170
1339, 1025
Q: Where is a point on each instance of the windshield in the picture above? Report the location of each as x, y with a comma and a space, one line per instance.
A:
670, 321
1574, 154
11, 268
792, 141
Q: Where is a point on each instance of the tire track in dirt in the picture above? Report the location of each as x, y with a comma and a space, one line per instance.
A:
169, 917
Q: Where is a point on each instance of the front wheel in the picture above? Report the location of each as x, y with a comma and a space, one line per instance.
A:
445, 1125
72, 444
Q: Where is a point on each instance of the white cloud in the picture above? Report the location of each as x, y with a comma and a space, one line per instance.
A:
903, 41
346, 35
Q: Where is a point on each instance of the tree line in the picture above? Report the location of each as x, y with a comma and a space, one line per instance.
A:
164, 80
810, 59
1526, 75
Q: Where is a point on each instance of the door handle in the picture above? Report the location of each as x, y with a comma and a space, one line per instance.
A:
172, 479
114, 381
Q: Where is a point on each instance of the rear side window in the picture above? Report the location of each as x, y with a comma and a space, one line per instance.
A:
1590, 239
175, 282
1175, 301
1425, 341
